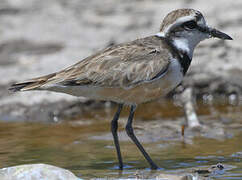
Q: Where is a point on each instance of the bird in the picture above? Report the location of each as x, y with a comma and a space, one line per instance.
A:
135, 72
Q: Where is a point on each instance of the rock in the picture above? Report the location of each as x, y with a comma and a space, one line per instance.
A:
192, 174
214, 169
36, 172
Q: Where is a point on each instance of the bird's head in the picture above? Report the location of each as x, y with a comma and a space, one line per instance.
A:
186, 28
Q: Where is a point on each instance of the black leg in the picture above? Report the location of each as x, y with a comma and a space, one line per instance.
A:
114, 128
130, 132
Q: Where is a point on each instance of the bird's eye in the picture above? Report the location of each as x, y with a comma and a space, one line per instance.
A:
190, 24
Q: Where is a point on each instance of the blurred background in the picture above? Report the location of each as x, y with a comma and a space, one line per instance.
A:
38, 37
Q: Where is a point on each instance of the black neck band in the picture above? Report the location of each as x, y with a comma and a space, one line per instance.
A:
183, 58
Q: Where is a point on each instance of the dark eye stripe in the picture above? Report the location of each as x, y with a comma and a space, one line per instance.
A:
190, 24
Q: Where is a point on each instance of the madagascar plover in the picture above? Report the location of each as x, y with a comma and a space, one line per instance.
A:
134, 72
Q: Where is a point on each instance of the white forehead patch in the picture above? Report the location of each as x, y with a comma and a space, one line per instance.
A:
183, 19
178, 22
202, 22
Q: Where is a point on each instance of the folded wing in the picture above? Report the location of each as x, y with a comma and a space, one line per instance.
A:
124, 65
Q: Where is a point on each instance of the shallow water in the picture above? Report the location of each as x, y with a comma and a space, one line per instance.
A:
72, 144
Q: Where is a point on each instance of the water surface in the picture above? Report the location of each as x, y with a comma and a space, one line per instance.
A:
72, 144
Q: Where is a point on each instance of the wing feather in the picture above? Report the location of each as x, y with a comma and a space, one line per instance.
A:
123, 65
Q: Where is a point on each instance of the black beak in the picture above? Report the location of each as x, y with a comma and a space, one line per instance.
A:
218, 34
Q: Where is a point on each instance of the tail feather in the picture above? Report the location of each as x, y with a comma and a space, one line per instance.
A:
31, 84
24, 86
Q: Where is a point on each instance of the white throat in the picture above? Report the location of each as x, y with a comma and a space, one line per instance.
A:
184, 45
187, 42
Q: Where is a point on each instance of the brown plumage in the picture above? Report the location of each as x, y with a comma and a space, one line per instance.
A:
124, 65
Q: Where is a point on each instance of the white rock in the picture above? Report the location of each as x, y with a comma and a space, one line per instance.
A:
36, 172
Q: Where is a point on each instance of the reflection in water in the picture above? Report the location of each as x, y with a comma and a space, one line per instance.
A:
70, 145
